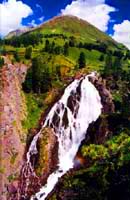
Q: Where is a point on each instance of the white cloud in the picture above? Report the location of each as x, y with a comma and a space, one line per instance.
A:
41, 19
11, 14
32, 23
95, 12
40, 7
122, 33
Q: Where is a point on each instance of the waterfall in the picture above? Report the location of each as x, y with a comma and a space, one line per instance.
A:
70, 118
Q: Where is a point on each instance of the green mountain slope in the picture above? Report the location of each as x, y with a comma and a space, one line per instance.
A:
70, 25
79, 28
78, 34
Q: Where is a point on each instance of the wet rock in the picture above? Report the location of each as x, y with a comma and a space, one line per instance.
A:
99, 131
44, 163
106, 97
12, 189
48, 153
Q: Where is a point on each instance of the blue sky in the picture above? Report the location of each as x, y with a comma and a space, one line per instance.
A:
110, 16
123, 12
52, 8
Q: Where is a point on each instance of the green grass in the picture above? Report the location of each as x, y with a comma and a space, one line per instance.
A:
82, 30
34, 109
91, 56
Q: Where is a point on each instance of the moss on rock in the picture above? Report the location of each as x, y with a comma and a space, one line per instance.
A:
48, 152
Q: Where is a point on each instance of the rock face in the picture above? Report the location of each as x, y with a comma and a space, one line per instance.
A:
18, 32
12, 137
106, 97
99, 131
48, 153
43, 165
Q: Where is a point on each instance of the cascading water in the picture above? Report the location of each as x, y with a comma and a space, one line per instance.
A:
70, 117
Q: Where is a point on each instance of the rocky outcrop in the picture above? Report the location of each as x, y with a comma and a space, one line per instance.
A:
19, 32
99, 131
106, 97
42, 165
48, 153
12, 136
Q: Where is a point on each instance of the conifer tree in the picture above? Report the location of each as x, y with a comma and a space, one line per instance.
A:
66, 49
1, 62
28, 52
81, 60
108, 64
47, 46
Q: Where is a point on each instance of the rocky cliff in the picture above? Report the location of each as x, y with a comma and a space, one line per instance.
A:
12, 136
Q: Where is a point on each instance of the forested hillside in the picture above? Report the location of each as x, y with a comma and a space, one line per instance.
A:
56, 53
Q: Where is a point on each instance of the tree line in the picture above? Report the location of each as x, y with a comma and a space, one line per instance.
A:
24, 40
51, 47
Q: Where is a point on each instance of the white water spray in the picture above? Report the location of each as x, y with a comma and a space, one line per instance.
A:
70, 118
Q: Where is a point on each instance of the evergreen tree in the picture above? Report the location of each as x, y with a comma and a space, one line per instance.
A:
117, 66
1, 62
66, 49
80, 45
52, 48
41, 79
72, 41
57, 50
28, 52
81, 60
4, 51
47, 46
36, 74
16, 56
27, 85
108, 64
46, 80
101, 57
128, 54
1, 41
